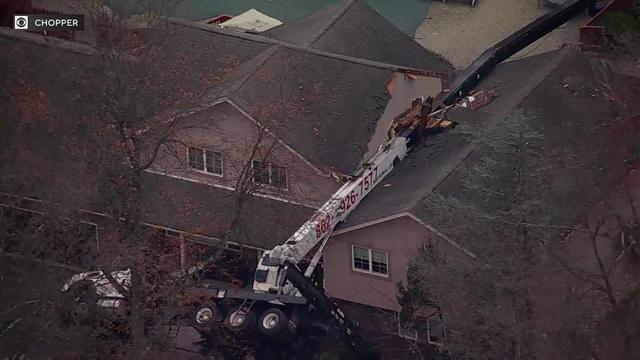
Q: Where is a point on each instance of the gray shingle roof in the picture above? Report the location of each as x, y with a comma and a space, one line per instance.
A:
323, 107
206, 210
420, 172
564, 90
354, 29
305, 30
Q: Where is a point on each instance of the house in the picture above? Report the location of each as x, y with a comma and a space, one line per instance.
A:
318, 97
587, 128
325, 113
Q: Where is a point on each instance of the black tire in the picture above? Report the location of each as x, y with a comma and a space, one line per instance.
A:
80, 302
273, 322
239, 319
205, 317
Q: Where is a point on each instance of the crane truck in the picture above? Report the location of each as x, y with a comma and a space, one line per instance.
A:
287, 296
284, 295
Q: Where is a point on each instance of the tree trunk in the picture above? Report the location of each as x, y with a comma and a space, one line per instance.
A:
136, 317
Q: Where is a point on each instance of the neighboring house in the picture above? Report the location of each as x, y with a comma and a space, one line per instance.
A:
580, 118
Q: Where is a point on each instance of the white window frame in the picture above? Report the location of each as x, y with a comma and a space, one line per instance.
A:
370, 271
268, 166
440, 318
204, 160
406, 333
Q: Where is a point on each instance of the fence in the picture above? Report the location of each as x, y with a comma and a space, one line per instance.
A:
593, 33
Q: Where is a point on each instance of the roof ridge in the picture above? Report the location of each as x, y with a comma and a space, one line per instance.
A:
346, 6
260, 59
372, 63
266, 40
48, 41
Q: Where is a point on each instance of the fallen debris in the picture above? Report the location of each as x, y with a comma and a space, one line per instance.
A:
478, 99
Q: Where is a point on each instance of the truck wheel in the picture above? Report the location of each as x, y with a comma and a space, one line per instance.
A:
205, 316
240, 319
272, 322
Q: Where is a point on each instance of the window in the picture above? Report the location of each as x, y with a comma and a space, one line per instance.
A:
214, 162
205, 160
278, 176
269, 174
196, 158
407, 332
260, 173
171, 233
435, 329
369, 260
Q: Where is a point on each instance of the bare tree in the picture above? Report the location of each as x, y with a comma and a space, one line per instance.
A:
518, 200
512, 202
132, 95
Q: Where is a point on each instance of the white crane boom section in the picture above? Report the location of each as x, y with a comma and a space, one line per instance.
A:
340, 205
335, 210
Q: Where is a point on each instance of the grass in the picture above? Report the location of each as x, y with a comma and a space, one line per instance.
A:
620, 22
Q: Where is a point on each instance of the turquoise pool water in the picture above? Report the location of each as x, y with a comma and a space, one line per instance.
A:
404, 14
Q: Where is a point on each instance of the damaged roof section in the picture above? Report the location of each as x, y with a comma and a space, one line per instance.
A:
567, 96
353, 28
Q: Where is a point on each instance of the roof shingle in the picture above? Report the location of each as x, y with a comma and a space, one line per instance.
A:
354, 29
564, 91
324, 108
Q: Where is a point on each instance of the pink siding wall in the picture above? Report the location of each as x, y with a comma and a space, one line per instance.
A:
400, 238
223, 128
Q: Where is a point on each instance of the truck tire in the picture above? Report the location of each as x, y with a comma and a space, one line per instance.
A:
205, 317
273, 322
240, 319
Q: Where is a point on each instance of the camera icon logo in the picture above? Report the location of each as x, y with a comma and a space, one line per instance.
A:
21, 22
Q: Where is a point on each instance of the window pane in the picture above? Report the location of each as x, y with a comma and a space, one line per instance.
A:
260, 172
379, 256
279, 176
436, 330
361, 258
214, 162
196, 158
379, 261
